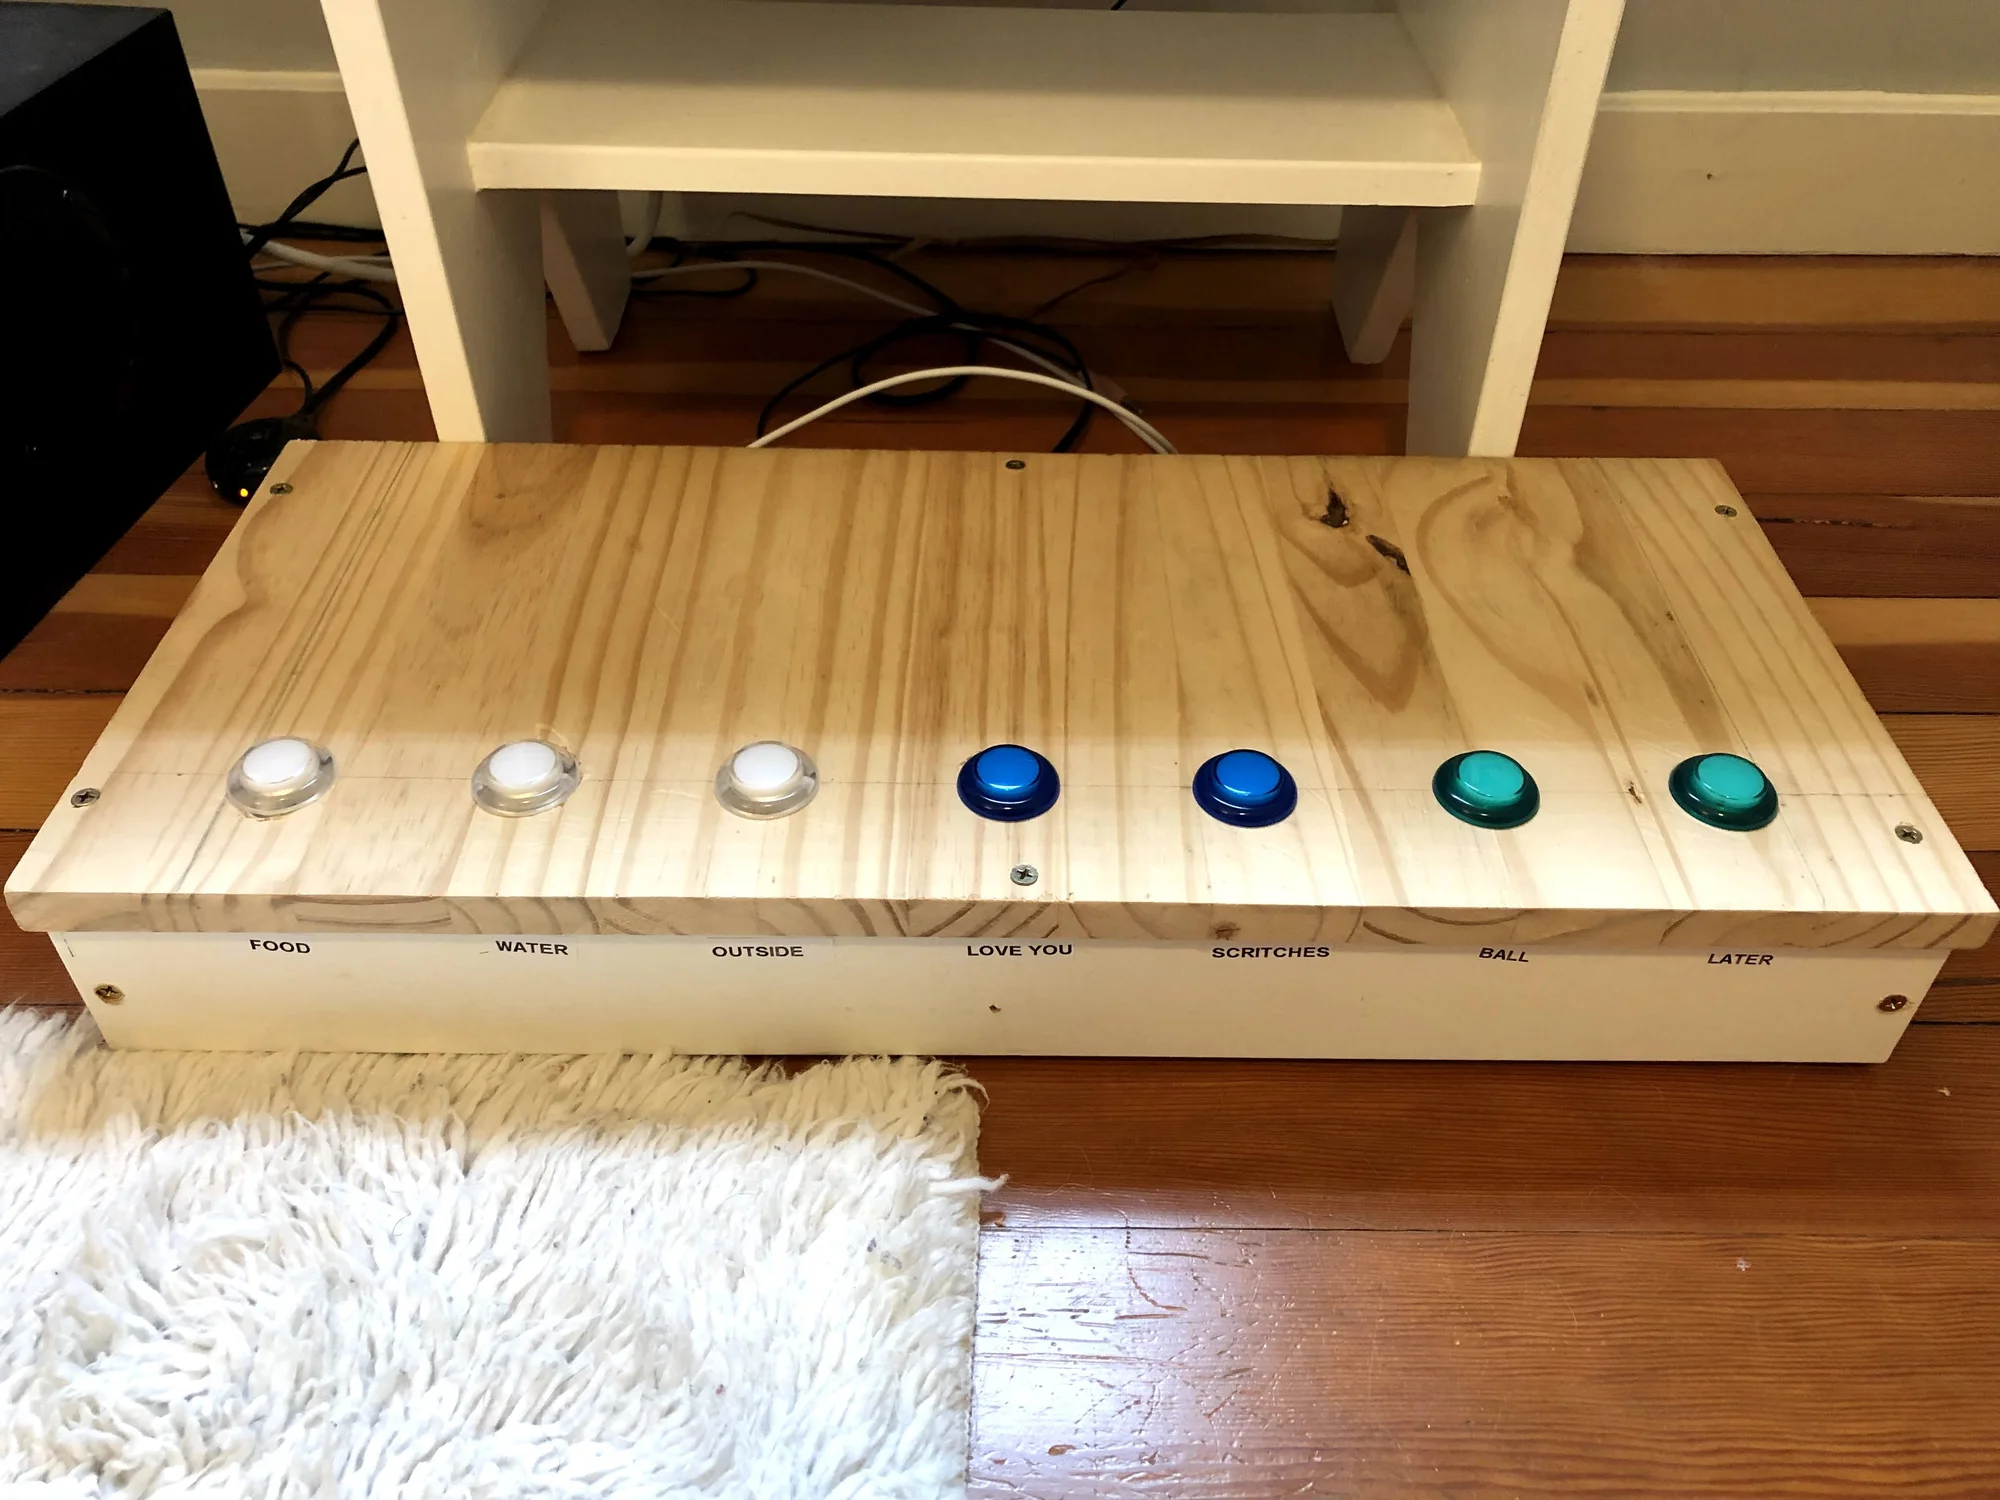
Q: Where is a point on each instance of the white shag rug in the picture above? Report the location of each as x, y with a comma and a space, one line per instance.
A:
350, 1275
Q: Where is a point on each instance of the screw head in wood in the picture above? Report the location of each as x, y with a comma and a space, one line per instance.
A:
1909, 833
1024, 874
1892, 1002
1725, 510
83, 796
110, 994
281, 489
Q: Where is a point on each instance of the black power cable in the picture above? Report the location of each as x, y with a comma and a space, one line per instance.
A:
238, 461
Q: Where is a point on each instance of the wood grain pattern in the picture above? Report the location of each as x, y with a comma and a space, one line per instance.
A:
82, 653
1962, 1002
1911, 1146
1961, 754
1978, 963
1915, 655
30, 972
1875, 293
1886, 546
894, 614
1255, 1364
180, 533
1935, 655
39, 735
1853, 1357
1784, 452
100, 634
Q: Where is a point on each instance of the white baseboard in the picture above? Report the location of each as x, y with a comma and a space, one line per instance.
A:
1670, 172
1843, 173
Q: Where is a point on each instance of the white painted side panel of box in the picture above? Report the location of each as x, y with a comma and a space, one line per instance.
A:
482, 994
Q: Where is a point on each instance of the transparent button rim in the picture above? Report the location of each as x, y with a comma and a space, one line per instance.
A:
982, 800
1687, 793
264, 799
1469, 805
1226, 807
764, 802
507, 799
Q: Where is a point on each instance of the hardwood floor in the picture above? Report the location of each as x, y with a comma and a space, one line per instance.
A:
1345, 1279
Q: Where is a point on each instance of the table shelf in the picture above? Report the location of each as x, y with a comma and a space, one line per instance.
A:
499, 133
932, 101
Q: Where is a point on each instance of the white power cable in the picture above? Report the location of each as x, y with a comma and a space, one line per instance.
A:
1145, 431
636, 246
361, 269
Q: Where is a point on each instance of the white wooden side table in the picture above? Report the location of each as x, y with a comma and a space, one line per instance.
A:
499, 131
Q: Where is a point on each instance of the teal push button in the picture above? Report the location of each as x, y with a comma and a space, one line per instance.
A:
1724, 791
1487, 788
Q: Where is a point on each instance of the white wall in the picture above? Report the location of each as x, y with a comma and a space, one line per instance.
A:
1902, 46
1732, 125
1913, 46
274, 34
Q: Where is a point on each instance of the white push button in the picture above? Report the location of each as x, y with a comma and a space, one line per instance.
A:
766, 780
523, 777
278, 776
766, 769
524, 766
279, 763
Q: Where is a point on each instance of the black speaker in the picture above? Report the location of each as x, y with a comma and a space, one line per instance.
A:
130, 330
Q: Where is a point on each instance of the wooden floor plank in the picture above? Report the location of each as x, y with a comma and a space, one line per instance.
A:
1787, 452
1256, 1364
1591, 1281
1979, 963
1962, 1002
1957, 758
1919, 655
99, 634
1886, 545
179, 534
82, 653
43, 738
1911, 1146
30, 972
1854, 292
1768, 356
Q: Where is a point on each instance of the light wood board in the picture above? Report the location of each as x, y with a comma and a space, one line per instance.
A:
412, 606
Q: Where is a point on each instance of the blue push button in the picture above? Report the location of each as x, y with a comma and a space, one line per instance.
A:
1245, 787
1724, 791
1248, 778
1487, 788
1008, 783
